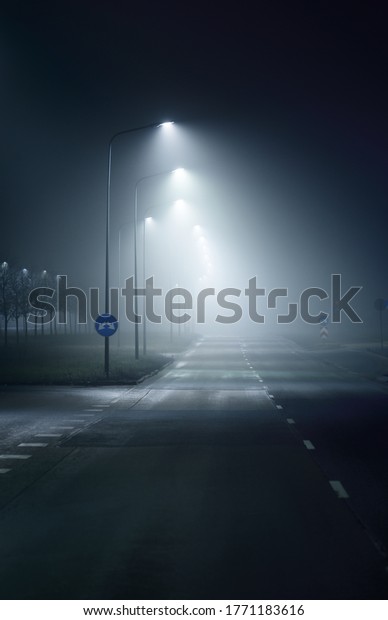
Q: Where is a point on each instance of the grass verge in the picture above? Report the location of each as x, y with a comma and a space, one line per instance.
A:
67, 360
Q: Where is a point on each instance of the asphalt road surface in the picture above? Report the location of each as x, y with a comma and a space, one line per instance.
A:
245, 470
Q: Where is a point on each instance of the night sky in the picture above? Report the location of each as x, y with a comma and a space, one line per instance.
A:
283, 112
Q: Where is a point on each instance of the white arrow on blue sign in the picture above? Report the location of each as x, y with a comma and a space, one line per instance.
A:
106, 325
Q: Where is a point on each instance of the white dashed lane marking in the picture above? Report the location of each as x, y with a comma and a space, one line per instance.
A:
48, 435
308, 444
279, 407
74, 420
3, 470
15, 456
63, 428
338, 489
290, 421
94, 410
32, 445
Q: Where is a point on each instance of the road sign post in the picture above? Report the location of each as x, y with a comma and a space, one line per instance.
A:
106, 325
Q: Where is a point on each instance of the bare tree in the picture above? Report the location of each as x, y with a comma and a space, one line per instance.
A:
25, 285
6, 306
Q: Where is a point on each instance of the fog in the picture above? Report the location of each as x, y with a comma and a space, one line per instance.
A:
283, 159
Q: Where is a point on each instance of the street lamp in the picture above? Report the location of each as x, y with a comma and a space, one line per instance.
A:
107, 227
150, 176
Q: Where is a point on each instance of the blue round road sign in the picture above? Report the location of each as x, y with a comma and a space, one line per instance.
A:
106, 325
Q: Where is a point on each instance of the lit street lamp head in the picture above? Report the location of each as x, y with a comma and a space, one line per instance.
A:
166, 124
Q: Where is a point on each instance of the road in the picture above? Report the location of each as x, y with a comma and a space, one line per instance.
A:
245, 470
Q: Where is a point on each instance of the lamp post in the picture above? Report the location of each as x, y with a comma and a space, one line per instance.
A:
145, 280
107, 224
119, 269
150, 176
44, 282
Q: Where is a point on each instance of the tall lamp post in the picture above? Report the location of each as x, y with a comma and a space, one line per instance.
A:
149, 176
44, 282
107, 226
145, 218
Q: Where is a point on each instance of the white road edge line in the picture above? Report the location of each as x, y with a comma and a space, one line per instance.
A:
338, 489
308, 444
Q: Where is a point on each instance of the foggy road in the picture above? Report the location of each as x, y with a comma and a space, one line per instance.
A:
245, 470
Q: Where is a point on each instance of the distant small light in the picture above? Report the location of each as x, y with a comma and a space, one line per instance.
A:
4, 265
25, 272
179, 203
149, 219
178, 171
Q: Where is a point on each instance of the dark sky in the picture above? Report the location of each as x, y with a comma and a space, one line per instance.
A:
284, 112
